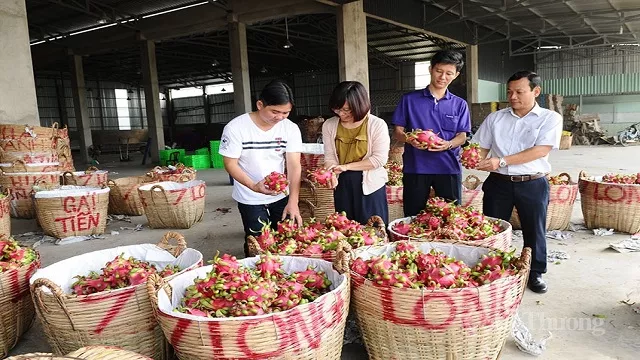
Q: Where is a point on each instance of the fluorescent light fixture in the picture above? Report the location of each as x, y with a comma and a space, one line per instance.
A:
176, 9
549, 47
92, 29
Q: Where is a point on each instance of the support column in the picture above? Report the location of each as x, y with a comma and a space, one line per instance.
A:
79, 91
352, 43
18, 104
239, 66
152, 98
472, 74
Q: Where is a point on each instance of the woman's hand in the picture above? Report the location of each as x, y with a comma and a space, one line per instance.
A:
338, 169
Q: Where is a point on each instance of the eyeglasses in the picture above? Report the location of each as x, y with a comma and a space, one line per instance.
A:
343, 111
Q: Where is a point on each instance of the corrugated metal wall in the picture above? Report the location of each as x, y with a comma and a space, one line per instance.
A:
588, 62
55, 104
594, 85
495, 64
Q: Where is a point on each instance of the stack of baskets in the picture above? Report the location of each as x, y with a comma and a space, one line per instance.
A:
70, 210
561, 200
173, 205
394, 201
120, 317
180, 173
63, 149
124, 198
16, 307
28, 155
90, 177
609, 205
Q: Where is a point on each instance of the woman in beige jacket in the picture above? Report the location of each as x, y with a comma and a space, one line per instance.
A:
356, 148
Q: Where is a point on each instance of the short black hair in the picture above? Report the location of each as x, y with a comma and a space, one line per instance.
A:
448, 57
276, 92
355, 95
534, 79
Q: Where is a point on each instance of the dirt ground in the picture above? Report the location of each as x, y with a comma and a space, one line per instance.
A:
583, 310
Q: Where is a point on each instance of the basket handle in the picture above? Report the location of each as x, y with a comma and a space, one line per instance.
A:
376, 222
67, 176
91, 169
188, 170
57, 293
582, 174
154, 283
307, 203
184, 178
55, 125
18, 161
564, 174
174, 250
153, 193
312, 187
343, 257
472, 179
111, 183
6, 191
253, 245
157, 168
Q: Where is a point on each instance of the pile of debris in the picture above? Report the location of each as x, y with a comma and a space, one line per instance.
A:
585, 128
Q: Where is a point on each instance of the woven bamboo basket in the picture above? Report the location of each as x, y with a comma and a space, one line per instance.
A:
70, 210
173, 205
561, 200
465, 324
311, 129
309, 331
21, 187
565, 142
28, 144
86, 353
394, 201
311, 162
472, 192
29, 157
90, 177
14, 131
19, 166
500, 241
5, 213
607, 205
375, 222
124, 198
395, 153
321, 198
64, 155
121, 317
164, 174
16, 307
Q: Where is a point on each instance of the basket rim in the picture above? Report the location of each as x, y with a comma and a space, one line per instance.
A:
505, 224
593, 179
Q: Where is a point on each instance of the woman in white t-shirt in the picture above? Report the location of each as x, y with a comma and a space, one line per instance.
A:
254, 145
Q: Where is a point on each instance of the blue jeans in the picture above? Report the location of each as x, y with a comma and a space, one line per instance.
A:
251, 214
531, 199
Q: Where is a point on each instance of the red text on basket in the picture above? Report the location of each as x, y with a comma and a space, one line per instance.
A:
82, 213
394, 194
628, 194
194, 192
464, 308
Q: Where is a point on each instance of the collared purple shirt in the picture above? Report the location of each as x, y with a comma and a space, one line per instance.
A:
447, 117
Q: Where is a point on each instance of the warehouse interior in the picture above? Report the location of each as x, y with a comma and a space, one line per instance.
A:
140, 76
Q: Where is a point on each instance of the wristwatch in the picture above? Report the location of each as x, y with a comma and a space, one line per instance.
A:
502, 163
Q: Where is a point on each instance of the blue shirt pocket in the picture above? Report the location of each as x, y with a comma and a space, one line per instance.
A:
449, 124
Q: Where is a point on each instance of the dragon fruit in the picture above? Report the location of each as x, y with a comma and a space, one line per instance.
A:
426, 138
13, 256
410, 267
394, 173
277, 182
287, 227
119, 273
321, 177
402, 228
620, 178
470, 156
559, 180
242, 291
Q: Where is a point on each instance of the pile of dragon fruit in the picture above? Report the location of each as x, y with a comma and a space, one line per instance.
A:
558, 180
314, 237
409, 267
621, 178
231, 289
119, 273
443, 220
13, 256
277, 182
394, 171
427, 138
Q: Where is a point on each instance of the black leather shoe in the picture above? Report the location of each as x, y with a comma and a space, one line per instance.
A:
537, 285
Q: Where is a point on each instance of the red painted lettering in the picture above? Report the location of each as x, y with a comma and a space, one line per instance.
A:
94, 219
82, 222
181, 192
68, 204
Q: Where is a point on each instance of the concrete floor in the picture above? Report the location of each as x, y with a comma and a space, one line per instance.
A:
593, 281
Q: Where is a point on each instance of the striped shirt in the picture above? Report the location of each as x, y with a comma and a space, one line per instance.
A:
259, 153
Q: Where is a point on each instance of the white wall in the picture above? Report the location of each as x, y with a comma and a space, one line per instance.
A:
488, 91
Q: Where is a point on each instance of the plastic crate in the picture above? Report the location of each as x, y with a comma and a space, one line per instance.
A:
203, 151
197, 161
214, 146
217, 161
164, 155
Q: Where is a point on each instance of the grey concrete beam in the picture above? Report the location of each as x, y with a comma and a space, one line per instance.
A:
471, 64
79, 93
240, 67
353, 57
152, 98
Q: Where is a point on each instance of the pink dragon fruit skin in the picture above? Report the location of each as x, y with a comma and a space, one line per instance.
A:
321, 177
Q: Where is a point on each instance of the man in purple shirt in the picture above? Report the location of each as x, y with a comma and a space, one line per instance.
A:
437, 109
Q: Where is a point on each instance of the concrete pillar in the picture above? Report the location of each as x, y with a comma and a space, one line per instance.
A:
352, 43
79, 91
18, 104
240, 67
471, 64
152, 98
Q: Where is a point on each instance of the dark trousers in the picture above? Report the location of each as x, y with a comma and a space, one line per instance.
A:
348, 197
416, 189
251, 214
531, 199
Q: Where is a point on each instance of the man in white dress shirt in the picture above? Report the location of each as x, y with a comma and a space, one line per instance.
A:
518, 140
